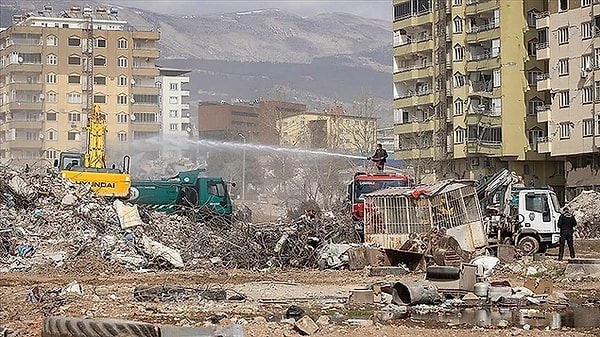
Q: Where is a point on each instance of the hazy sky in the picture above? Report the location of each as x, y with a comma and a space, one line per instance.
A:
378, 9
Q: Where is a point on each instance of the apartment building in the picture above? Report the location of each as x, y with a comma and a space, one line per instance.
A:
174, 105
465, 93
569, 47
55, 65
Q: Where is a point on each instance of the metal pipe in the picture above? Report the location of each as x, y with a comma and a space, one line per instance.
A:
415, 292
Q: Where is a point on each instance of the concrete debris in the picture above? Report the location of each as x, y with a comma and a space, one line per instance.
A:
129, 216
306, 326
73, 288
586, 209
158, 250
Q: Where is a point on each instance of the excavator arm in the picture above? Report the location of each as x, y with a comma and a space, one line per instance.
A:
95, 157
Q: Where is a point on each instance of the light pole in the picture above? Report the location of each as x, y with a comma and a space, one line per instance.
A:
243, 169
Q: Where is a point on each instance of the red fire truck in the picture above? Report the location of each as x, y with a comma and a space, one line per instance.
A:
364, 183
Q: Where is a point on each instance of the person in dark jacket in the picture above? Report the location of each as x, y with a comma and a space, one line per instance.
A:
379, 157
566, 224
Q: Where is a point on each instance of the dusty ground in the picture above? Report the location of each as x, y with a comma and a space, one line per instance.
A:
108, 292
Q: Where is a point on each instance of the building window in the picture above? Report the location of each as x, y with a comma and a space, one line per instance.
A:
122, 136
496, 77
459, 80
100, 43
99, 99
122, 81
563, 35
174, 86
100, 61
74, 97
565, 130
99, 80
586, 30
74, 42
74, 117
74, 60
51, 116
531, 18
459, 136
122, 62
51, 59
588, 127
173, 126
122, 118
73, 135
587, 95
458, 107
51, 97
534, 135
563, 99
51, 154
586, 62
563, 5
457, 2
532, 47
51, 40
173, 99
122, 44
585, 3
597, 125
51, 134
122, 99
532, 76
563, 67
458, 25
534, 106
459, 53
51, 78
74, 79
173, 113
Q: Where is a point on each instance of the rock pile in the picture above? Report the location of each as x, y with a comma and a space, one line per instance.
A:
46, 220
586, 208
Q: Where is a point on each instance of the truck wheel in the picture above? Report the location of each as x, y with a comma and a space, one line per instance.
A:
80, 327
528, 245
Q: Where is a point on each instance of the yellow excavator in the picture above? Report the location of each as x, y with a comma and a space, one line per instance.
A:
90, 167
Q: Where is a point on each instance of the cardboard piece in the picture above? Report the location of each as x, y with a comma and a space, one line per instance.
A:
539, 286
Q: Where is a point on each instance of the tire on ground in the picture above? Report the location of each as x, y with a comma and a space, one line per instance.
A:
80, 327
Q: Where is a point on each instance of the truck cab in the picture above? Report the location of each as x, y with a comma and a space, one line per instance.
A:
539, 211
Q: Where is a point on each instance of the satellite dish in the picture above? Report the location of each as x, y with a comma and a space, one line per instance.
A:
132, 81
20, 59
132, 117
41, 136
132, 100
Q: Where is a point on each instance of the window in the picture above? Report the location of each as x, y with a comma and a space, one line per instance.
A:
145, 99
459, 53
174, 86
73, 135
74, 60
459, 80
535, 202
122, 44
563, 99
51, 40
99, 80
100, 61
122, 81
122, 62
532, 76
597, 124
173, 113
122, 99
458, 25
534, 106
173, 126
563, 35
100, 43
532, 47
51, 135
457, 2
51, 97
74, 79
563, 5
51, 154
596, 57
51, 116
51, 78
122, 118
74, 97
565, 130
586, 30
534, 135
74, 117
496, 77
51, 59
586, 62
531, 18
173, 100
122, 136
585, 3
99, 99
74, 42
459, 136
588, 127
587, 95
458, 107
563, 67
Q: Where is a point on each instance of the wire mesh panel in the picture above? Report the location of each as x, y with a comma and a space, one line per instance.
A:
397, 214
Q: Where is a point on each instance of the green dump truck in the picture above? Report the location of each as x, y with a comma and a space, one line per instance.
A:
187, 191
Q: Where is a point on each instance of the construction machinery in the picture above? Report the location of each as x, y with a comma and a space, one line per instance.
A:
90, 167
187, 191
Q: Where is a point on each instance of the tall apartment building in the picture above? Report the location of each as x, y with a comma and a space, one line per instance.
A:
465, 95
54, 66
569, 47
174, 105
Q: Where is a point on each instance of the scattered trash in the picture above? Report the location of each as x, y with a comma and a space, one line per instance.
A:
294, 311
169, 293
34, 295
73, 288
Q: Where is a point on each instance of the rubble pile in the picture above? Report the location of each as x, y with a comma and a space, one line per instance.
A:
586, 208
46, 220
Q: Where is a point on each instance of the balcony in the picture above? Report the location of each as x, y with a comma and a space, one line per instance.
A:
415, 127
23, 124
146, 35
484, 32
414, 46
543, 82
483, 61
480, 6
26, 86
488, 117
145, 127
146, 53
414, 153
144, 90
25, 67
544, 145
484, 89
25, 106
414, 99
544, 113
413, 72
185, 93
488, 148
185, 106
417, 18
542, 20
145, 72
543, 51
144, 108
24, 144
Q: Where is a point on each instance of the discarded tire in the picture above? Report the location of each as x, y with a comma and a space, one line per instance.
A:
80, 327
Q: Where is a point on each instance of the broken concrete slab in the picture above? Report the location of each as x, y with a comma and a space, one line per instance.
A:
578, 269
129, 216
361, 296
306, 326
157, 249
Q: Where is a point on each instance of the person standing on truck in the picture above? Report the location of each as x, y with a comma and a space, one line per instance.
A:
566, 224
379, 157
